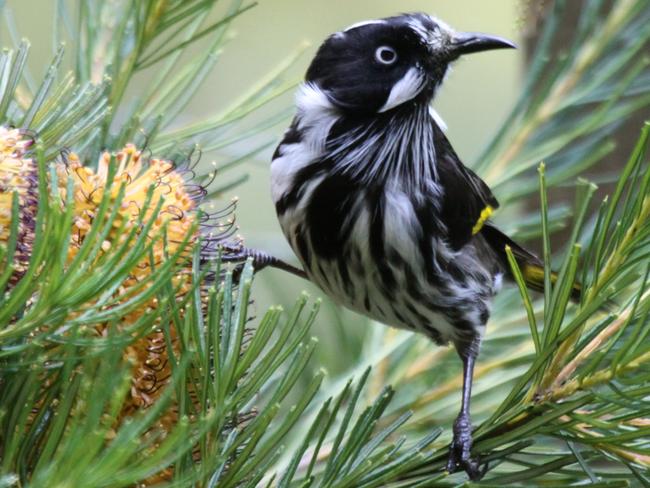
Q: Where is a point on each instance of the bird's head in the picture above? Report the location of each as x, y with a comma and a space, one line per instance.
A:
377, 65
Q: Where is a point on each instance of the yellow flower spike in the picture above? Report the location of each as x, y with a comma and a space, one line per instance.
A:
138, 176
177, 216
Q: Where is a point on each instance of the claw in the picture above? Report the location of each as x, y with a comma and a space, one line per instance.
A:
460, 456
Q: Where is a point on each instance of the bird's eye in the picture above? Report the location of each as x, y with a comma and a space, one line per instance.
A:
385, 55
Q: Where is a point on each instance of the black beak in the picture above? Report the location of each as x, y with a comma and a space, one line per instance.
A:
472, 42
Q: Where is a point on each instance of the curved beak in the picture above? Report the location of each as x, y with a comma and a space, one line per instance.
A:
473, 42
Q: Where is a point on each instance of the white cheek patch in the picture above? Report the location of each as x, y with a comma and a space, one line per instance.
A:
404, 90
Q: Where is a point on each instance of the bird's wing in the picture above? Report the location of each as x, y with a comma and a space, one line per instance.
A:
467, 200
531, 267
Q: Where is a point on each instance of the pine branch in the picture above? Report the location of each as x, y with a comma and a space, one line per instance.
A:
128, 354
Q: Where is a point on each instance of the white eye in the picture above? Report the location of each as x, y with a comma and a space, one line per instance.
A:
385, 55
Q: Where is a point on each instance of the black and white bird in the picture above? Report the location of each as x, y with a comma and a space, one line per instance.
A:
379, 209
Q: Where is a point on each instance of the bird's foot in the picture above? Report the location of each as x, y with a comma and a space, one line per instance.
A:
238, 254
260, 260
460, 456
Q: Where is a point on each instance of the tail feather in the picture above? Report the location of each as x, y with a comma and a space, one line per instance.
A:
534, 277
532, 268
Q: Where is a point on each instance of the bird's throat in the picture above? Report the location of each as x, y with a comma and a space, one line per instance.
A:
394, 146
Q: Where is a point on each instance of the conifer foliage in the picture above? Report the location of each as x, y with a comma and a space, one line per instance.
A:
128, 351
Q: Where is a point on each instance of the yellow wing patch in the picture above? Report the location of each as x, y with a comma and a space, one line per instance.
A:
485, 214
534, 275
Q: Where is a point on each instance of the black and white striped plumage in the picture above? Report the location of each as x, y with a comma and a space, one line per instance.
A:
374, 201
366, 213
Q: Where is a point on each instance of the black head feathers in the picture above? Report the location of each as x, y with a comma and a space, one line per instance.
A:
377, 65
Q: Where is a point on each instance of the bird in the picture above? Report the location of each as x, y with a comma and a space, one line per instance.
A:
379, 209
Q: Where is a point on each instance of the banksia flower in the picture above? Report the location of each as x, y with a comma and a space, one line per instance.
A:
144, 194
177, 213
18, 175
172, 191
176, 218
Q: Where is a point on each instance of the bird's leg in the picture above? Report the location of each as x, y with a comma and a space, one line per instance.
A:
261, 260
461, 445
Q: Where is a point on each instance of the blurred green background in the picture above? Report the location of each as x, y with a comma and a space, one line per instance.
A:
478, 93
